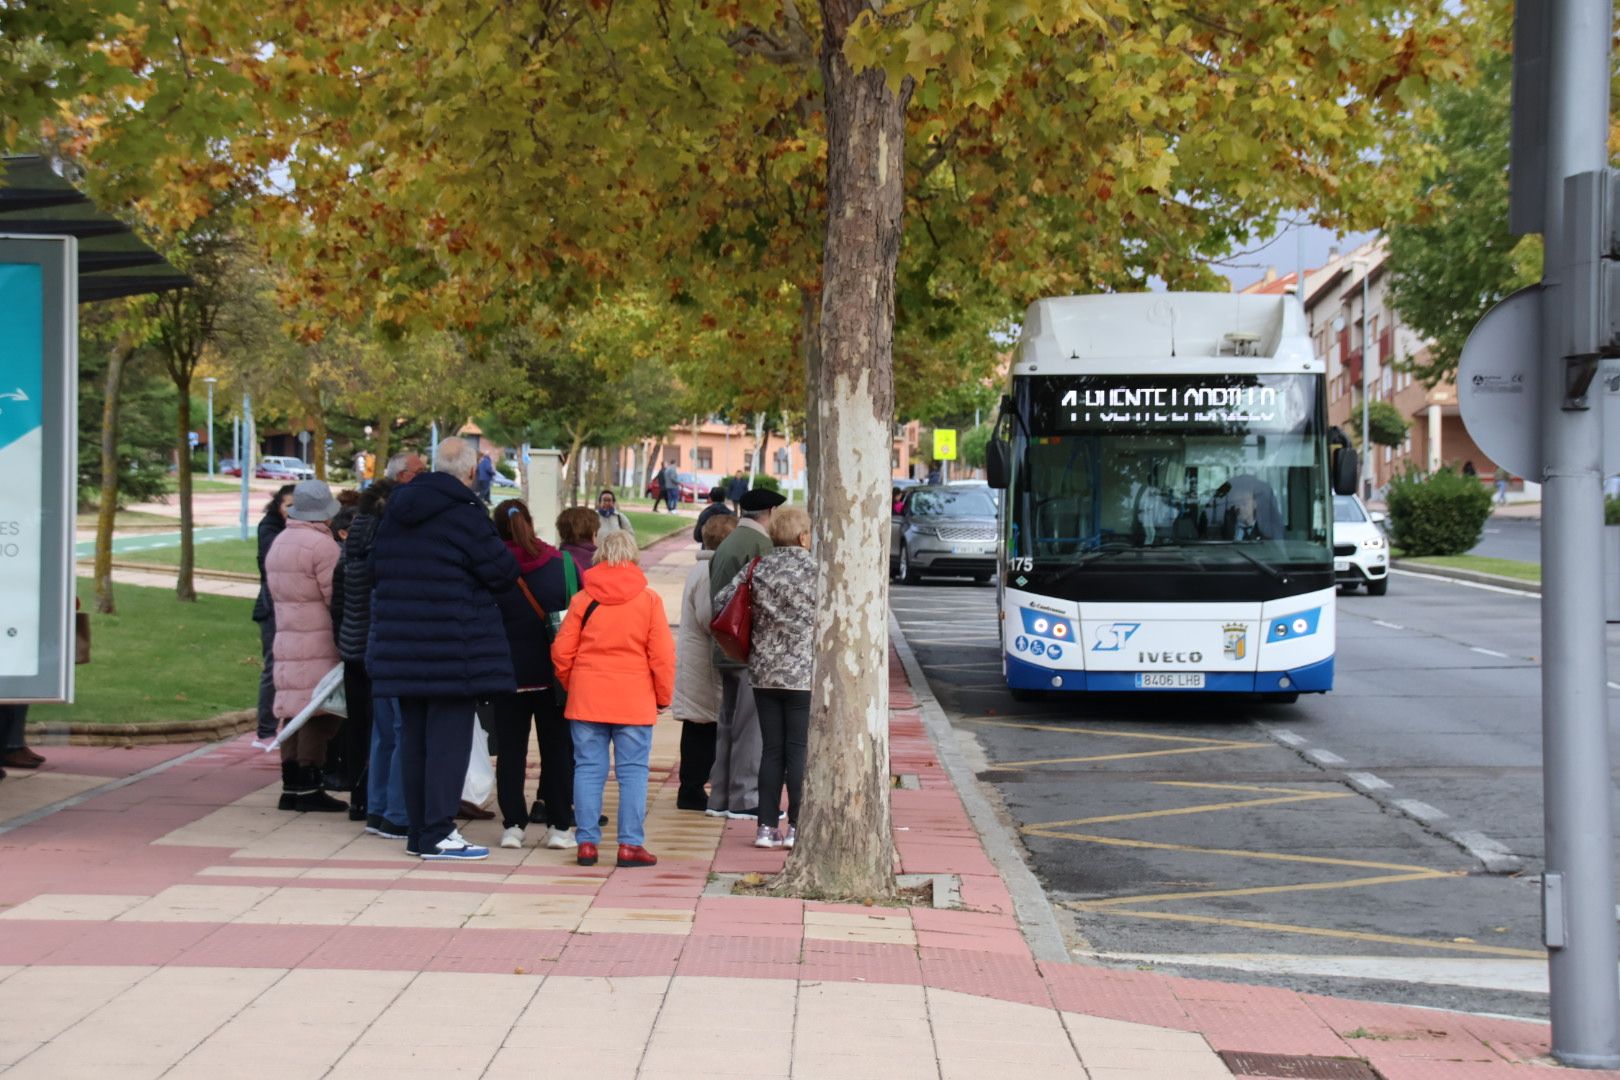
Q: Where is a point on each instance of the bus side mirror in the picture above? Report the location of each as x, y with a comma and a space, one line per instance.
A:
1346, 470
998, 463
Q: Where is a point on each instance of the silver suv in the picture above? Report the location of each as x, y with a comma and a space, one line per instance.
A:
943, 529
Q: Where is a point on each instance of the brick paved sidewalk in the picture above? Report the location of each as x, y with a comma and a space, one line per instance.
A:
180, 926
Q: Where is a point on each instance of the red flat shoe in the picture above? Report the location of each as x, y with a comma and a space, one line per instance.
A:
585, 854
636, 855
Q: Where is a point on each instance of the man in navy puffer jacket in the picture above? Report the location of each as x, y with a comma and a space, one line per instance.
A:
437, 643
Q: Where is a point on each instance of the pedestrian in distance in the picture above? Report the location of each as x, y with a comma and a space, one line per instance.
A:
1468, 469
437, 642
607, 509
270, 525
697, 680
298, 570
655, 488
615, 657
1501, 486
530, 614
486, 477
782, 640
734, 782
576, 534
672, 486
14, 751
736, 488
717, 507
371, 732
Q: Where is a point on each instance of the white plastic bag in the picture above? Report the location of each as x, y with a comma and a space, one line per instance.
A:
479, 786
327, 697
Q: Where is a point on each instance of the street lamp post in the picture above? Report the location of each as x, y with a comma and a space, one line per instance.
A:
210, 380
246, 459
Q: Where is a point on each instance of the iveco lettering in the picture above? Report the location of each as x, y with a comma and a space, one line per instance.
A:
1168, 478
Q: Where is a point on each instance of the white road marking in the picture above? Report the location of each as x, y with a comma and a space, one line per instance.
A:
1421, 810
1324, 757
1614, 686
1285, 736
1493, 853
1388, 625
1469, 584
1519, 976
1366, 781
1488, 652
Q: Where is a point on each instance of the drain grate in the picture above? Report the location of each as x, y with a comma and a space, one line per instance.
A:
1298, 1066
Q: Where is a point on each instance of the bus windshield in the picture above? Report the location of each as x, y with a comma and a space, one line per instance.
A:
1221, 468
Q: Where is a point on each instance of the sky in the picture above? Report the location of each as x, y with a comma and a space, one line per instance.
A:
1283, 252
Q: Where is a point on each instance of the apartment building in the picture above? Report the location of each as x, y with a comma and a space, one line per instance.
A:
1362, 336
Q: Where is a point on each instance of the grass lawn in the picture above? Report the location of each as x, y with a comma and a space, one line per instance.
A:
200, 483
131, 520
159, 660
650, 526
1481, 564
239, 555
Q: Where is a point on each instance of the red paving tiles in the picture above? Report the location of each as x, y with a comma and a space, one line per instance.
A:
105, 846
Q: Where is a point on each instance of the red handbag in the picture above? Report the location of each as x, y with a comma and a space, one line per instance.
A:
734, 626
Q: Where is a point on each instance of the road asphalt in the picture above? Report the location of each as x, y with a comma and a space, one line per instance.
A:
1382, 840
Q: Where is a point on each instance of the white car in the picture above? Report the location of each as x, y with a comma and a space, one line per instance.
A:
1360, 549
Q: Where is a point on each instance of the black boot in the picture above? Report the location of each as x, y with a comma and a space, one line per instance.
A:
311, 798
291, 785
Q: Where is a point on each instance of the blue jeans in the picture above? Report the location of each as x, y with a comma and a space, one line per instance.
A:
672, 496
632, 746
385, 784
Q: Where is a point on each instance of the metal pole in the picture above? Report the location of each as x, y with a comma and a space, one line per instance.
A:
245, 460
236, 440
433, 442
1578, 892
1366, 382
210, 383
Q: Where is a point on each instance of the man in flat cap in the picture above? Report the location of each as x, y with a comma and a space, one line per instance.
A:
734, 783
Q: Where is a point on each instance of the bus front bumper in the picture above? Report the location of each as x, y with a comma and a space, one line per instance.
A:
1310, 679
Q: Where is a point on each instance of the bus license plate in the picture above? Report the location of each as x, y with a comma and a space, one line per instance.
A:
1170, 680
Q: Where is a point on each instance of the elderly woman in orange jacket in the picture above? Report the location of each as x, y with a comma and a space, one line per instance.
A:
615, 657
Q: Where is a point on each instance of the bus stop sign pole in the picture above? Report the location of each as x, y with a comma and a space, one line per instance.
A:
1561, 130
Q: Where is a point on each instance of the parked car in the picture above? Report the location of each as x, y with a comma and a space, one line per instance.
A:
1360, 549
944, 530
230, 467
283, 468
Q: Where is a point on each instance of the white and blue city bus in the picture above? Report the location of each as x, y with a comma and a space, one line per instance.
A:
1167, 522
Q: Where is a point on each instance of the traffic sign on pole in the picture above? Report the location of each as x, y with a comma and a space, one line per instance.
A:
944, 444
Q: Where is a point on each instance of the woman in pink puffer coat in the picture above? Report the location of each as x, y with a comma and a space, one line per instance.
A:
298, 571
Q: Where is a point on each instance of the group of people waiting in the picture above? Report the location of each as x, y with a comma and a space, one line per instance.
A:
438, 613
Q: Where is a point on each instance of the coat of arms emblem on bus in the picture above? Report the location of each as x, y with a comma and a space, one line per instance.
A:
1235, 640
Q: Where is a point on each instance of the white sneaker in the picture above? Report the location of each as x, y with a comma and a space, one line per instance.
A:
455, 846
712, 812
766, 837
790, 837
513, 837
561, 839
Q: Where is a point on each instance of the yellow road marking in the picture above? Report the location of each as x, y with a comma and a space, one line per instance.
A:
1204, 808
1211, 785
1271, 856
1344, 935
1124, 756
1263, 890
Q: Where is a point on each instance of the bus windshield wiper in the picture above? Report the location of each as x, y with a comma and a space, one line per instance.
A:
1280, 575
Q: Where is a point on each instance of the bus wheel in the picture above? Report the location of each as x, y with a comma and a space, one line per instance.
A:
1280, 699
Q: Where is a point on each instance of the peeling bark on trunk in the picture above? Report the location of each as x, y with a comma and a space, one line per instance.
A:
108, 511
846, 845
185, 587
810, 346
